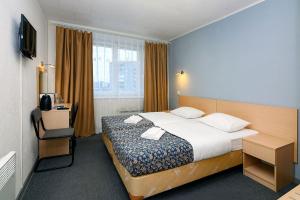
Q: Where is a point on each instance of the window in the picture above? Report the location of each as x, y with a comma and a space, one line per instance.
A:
118, 67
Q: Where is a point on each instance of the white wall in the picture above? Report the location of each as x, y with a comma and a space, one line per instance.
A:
18, 84
51, 43
51, 40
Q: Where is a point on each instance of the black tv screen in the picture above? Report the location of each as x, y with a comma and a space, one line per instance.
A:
27, 38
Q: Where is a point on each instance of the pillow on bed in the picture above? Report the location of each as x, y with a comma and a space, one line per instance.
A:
187, 112
224, 122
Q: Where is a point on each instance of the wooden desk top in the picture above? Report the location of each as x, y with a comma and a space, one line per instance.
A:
68, 105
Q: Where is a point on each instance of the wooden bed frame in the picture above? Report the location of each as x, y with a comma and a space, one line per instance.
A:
276, 121
148, 185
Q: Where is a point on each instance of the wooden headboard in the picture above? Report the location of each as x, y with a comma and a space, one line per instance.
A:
272, 120
204, 104
276, 121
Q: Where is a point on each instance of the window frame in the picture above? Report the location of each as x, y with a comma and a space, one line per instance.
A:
115, 91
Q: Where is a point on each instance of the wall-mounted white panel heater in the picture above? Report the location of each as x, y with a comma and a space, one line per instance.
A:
8, 176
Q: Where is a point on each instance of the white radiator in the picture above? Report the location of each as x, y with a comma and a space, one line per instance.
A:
8, 176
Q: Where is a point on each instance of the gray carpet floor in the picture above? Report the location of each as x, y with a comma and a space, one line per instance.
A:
93, 176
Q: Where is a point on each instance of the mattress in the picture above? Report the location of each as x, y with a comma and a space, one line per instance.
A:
236, 138
204, 137
207, 141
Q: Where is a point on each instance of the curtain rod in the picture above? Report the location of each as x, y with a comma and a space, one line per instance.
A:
100, 30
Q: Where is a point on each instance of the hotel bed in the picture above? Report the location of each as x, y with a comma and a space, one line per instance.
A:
141, 156
143, 186
188, 150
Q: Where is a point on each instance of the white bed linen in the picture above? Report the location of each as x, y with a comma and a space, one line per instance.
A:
162, 117
236, 138
207, 142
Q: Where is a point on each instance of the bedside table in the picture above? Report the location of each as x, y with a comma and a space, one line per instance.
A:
268, 160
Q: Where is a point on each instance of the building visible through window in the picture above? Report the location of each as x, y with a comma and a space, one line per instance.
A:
118, 68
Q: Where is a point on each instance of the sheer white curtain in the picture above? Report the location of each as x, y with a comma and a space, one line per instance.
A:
118, 75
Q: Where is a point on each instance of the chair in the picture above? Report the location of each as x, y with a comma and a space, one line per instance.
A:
52, 134
74, 110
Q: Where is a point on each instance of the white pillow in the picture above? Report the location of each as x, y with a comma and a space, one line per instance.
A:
224, 122
187, 112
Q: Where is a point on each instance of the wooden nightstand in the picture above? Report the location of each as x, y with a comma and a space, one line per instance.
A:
268, 160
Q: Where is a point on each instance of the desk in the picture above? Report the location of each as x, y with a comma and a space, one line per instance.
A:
54, 119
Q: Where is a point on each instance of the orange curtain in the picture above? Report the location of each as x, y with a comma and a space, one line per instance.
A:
74, 75
156, 77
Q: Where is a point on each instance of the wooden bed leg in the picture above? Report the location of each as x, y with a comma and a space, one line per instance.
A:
135, 197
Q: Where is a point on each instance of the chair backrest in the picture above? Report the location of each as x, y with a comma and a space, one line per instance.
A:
73, 114
36, 118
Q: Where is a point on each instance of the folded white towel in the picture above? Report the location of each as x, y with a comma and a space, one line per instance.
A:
153, 133
134, 119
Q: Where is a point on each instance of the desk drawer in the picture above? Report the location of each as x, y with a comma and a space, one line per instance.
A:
259, 151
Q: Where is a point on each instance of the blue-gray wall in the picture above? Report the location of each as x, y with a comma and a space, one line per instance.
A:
252, 56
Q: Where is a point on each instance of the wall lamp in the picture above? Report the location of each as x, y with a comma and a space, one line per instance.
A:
180, 73
43, 67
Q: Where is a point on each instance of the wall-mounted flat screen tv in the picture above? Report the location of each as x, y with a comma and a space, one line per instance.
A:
27, 38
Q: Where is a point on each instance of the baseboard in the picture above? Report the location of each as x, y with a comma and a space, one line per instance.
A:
296, 180
27, 181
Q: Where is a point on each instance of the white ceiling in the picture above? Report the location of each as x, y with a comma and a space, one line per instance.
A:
157, 19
